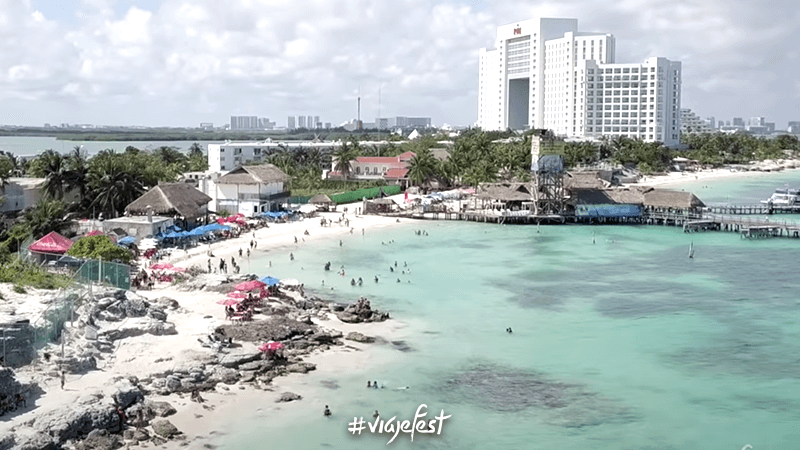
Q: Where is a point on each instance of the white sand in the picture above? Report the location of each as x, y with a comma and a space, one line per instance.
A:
198, 315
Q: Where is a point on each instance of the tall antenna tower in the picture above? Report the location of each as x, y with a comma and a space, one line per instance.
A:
358, 120
380, 119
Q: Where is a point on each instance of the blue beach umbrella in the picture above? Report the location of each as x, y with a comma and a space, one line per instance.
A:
270, 281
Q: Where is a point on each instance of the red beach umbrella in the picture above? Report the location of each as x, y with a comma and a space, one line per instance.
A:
253, 285
229, 302
236, 294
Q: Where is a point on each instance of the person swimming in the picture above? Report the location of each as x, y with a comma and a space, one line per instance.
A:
352, 281
327, 411
376, 278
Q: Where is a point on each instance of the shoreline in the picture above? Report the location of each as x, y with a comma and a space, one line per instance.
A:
144, 355
713, 174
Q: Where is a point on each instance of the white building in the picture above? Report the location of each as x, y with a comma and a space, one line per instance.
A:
692, 124
251, 190
546, 74
227, 156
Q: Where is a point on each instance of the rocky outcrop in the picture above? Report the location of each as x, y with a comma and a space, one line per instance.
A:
361, 312
76, 421
127, 394
359, 337
100, 440
288, 397
36, 441
165, 428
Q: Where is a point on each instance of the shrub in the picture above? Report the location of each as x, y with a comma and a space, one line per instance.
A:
19, 289
99, 247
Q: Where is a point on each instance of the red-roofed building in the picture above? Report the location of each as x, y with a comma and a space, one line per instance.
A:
390, 168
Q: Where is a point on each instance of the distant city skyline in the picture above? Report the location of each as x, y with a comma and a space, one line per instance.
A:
178, 63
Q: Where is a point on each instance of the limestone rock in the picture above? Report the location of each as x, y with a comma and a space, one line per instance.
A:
127, 394
100, 440
359, 337
288, 397
301, 367
165, 428
7, 441
71, 422
37, 441
233, 360
161, 409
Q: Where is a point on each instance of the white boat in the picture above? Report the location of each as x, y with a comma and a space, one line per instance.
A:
784, 197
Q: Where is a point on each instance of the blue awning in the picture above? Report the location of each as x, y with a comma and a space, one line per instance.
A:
270, 281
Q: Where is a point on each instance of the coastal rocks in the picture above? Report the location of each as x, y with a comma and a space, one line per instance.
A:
77, 364
168, 303
161, 409
234, 360
100, 440
165, 429
225, 375
361, 312
288, 397
127, 394
272, 329
137, 327
359, 337
36, 441
300, 367
7, 441
78, 420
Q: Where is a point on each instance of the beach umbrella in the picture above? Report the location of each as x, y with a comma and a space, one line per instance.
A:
128, 240
237, 294
253, 285
229, 302
270, 281
290, 282
270, 346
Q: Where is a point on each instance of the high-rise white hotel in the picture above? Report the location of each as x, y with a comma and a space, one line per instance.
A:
544, 73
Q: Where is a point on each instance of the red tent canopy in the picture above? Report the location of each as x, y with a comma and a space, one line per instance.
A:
270, 346
51, 243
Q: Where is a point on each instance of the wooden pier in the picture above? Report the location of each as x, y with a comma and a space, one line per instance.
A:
753, 209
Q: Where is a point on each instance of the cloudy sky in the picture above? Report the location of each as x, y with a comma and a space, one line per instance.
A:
182, 62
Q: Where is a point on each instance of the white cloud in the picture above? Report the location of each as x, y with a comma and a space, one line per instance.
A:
188, 61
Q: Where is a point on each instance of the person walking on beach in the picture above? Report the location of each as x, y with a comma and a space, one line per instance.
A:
240, 252
63, 379
291, 256
376, 415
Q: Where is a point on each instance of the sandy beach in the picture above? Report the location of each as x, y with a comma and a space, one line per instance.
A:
198, 315
712, 174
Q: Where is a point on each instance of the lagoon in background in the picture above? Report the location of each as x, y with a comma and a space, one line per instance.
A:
33, 145
626, 343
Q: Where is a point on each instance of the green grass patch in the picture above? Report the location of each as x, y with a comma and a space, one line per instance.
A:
23, 273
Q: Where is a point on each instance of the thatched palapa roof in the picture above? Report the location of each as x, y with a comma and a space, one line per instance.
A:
321, 199
657, 198
589, 179
261, 174
171, 199
665, 198
516, 192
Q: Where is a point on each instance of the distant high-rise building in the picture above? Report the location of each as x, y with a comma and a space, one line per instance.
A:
544, 73
316, 122
301, 121
310, 122
290, 123
712, 123
691, 124
757, 121
794, 127
327, 125
738, 122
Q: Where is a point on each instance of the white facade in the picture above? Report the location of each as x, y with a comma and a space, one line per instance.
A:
538, 76
248, 199
228, 156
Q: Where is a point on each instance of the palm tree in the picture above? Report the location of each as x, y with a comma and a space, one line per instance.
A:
46, 216
78, 171
56, 172
421, 167
342, 157
113, 187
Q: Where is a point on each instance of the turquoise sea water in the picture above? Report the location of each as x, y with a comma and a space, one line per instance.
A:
621, 344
